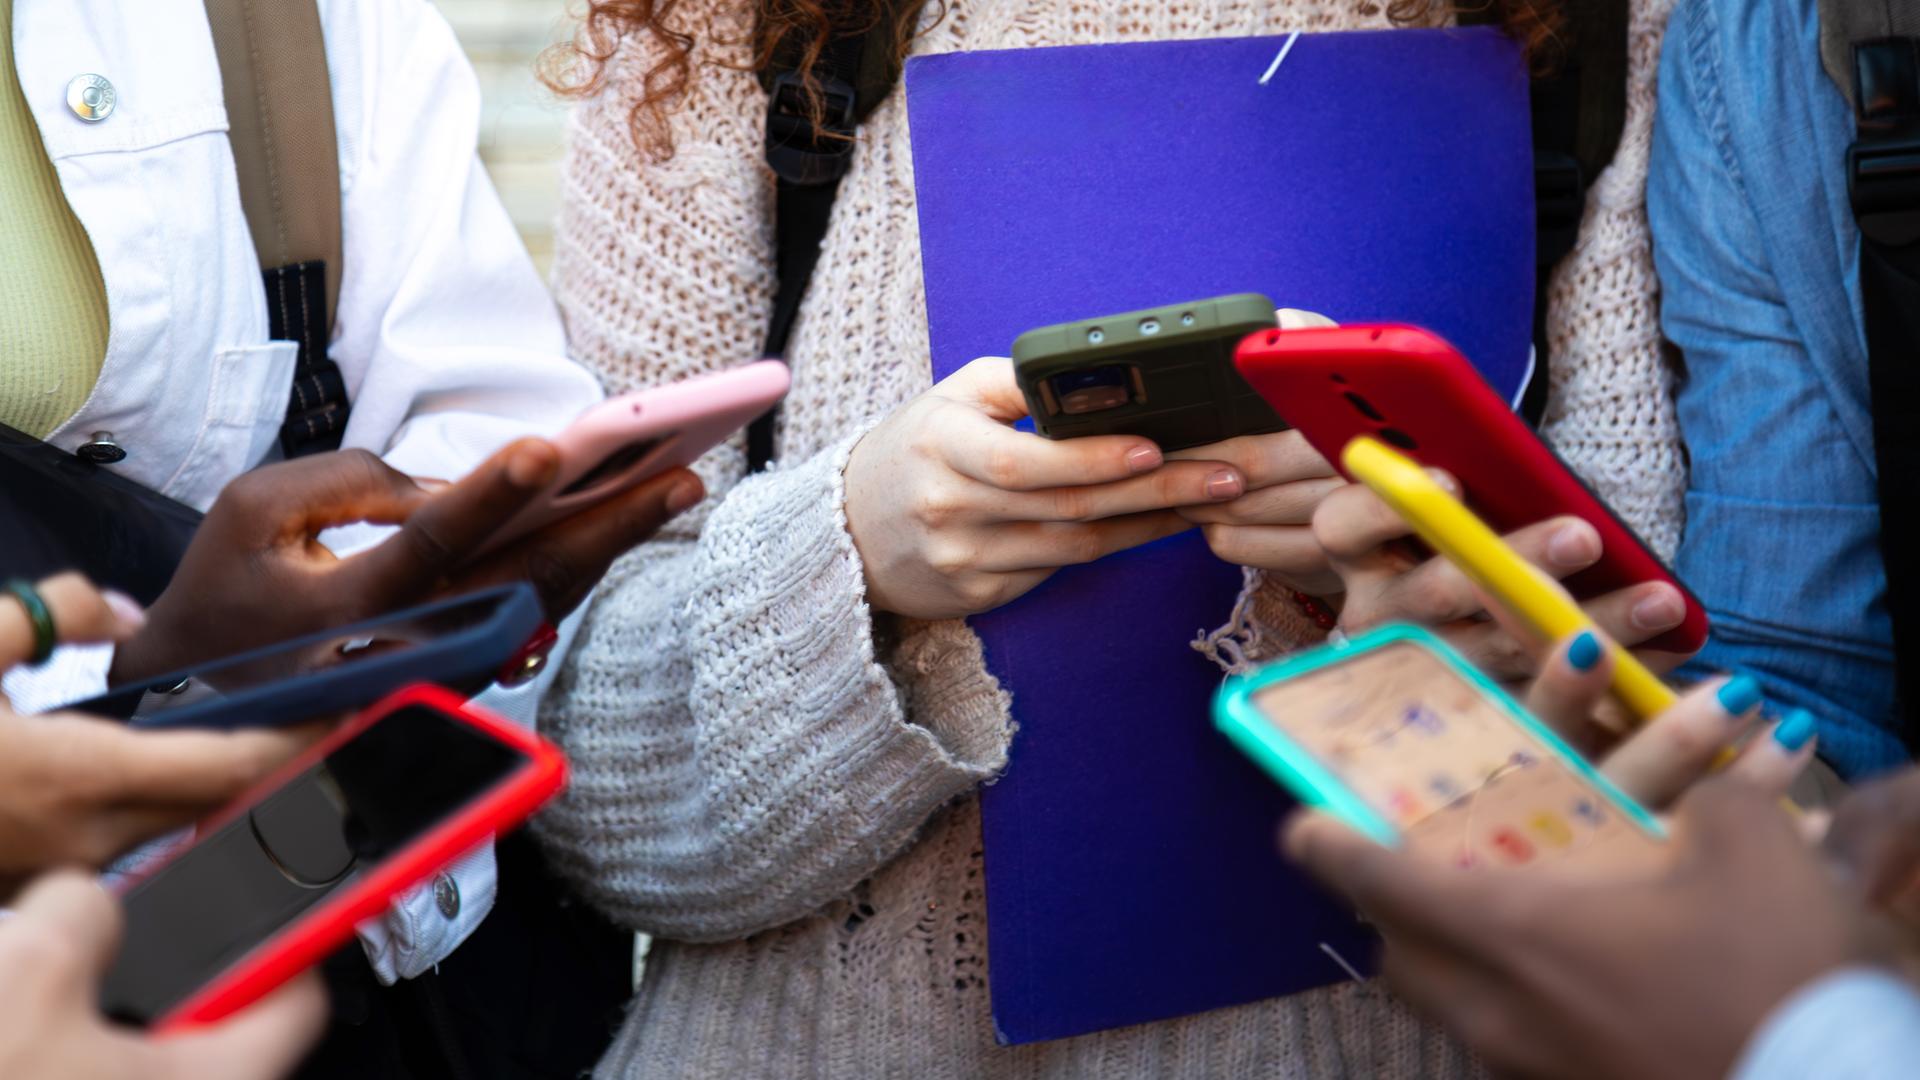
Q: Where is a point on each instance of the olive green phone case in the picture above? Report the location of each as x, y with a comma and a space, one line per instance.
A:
1164, 373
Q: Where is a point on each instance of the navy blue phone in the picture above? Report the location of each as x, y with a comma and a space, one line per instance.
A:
462, 644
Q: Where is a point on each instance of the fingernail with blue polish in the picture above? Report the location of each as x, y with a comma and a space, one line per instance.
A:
1738, 694
1584, 653
1794, 731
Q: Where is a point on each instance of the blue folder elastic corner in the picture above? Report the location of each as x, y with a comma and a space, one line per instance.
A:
1130, 853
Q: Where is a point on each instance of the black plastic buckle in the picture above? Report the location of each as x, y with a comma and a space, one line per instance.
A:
1883, 183
799, 154
1883, 164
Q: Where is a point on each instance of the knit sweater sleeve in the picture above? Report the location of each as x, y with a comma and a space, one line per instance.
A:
740, 754
1610, 407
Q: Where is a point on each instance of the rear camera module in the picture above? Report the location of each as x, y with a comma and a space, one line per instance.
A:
1092, 390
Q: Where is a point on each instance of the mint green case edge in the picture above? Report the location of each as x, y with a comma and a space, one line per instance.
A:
1315, 785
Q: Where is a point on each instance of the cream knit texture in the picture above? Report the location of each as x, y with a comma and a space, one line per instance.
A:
769, 777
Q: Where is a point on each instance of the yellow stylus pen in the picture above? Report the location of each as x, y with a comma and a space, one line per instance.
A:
1458, 534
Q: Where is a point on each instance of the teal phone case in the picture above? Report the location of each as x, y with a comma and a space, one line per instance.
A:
1315, 785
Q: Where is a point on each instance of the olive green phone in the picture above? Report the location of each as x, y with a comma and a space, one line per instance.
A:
1165, 373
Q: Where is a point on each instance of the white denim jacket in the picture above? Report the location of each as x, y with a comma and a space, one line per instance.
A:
447, 340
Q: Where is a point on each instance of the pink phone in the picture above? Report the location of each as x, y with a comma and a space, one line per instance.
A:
627, 440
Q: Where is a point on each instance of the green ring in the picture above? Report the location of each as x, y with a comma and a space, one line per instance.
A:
37, 613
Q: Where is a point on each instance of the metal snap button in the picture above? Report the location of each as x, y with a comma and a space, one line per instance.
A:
101, 449
446, 895
91, 98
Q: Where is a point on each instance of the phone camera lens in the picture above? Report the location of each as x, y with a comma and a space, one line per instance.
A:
1093, 390
1399, 438
1364, 407
1150, 326
1096, 335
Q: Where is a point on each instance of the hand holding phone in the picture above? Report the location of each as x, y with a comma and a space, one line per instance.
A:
279, 879
257, 572
1397, 736
464, 643
53, 946
1665, 972
1521, 588
1412, 391
955, 512
1165, 374
78, 789
625, 441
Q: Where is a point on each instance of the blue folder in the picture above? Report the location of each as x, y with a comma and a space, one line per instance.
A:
1131, 871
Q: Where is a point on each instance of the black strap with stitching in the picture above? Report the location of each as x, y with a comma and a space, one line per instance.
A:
854, 74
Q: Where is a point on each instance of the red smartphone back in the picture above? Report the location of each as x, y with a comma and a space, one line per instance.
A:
1412, 390
316, 933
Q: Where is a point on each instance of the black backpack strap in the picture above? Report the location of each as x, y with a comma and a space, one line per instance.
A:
1883, 175
809, 154
1579, 110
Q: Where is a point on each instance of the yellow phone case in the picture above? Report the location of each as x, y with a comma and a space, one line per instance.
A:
1458, 534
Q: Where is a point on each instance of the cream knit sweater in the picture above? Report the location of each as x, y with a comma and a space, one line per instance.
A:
775, 781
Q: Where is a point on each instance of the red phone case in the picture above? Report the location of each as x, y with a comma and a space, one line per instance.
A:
318, 932
1410, 389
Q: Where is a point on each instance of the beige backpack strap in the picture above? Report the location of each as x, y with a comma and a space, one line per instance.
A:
1845, 23
273, 64
273, 67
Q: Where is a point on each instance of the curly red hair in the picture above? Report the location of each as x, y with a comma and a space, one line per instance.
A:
579, 67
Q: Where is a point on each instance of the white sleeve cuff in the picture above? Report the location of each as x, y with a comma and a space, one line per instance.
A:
73, 673
430, 920
1854, 1024
417, 933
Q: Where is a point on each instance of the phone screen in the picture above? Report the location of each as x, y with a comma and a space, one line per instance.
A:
236, 887
235, 674
1449, 767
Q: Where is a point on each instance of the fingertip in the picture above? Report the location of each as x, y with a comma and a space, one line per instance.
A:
1573, 544
304, 1004
1738, 695
1226, 484
1298, 319
686, 493
1796, 731
1143, 457
531, 463
82, 612
1291, 842
126, 610
1660, 607
66, 897
1584, 652
1307, 835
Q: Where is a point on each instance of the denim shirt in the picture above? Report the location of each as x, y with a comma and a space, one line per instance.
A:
1759, 264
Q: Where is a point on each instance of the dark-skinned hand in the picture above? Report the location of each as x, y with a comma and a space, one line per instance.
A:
1657, 974
256, 572
1873, 842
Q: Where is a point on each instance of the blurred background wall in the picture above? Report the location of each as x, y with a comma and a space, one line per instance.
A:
521, 121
